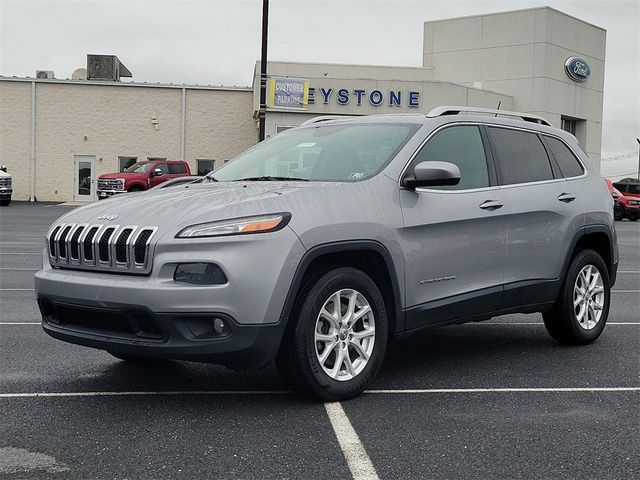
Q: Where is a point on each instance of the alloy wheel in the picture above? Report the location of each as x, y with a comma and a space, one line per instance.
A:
588, 297
344, 335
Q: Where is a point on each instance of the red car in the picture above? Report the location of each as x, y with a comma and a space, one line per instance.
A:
141, 176
627, 204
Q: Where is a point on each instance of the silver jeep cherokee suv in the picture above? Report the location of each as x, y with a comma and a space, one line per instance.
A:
317, 246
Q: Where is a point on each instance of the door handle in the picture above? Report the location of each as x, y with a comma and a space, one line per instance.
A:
566, 197
491, 205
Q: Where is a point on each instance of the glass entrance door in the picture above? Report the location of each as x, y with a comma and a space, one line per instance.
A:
84, 189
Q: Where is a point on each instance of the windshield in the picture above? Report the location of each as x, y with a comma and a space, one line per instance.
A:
140, 167
324, 152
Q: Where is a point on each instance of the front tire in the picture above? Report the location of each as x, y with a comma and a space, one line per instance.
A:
335, 342
582, 308
5, 203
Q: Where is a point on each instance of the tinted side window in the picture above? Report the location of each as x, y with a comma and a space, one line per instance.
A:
567, 161
520, 156
164, 168
461, 145
177, 168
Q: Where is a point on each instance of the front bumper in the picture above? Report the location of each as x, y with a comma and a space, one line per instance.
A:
102, 194
132, 330
110, 307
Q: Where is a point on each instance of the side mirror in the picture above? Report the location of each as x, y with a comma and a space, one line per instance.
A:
432, 174
156, 172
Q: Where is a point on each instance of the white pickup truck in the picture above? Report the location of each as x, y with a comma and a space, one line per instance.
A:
5, 187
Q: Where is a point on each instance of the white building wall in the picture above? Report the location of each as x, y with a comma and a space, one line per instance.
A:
522, 54
108, 120
368, 78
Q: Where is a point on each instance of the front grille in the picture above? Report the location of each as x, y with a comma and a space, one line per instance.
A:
103, 244
75, 250
113, 248
110, 184
129, 324
5, 182
121, 245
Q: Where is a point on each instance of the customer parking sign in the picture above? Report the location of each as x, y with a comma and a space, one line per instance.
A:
288, 93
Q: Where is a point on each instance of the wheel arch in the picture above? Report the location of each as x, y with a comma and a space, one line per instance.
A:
370, 256
598, 238
136, 186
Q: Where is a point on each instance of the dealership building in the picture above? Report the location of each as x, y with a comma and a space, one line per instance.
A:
57, 136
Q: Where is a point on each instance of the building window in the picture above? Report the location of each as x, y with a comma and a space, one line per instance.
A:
126, 162
569, 125
282, 128
205, 166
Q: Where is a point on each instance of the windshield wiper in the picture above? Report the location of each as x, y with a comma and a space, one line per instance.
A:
210, 178
269, 178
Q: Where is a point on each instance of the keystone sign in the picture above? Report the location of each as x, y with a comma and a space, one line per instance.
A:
297, 94
577, 69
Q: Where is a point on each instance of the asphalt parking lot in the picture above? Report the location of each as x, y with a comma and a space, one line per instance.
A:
499, 399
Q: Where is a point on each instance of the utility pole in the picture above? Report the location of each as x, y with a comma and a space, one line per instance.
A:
638, 140
263, 71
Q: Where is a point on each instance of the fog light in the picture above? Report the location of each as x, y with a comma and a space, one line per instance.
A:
218, 326
200, 274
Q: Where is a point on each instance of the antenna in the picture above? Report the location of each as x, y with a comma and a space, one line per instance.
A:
498, 107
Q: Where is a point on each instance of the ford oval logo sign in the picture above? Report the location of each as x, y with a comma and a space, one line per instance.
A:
577, 69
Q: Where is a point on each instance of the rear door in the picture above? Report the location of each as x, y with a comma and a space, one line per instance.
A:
545, 213
454, 238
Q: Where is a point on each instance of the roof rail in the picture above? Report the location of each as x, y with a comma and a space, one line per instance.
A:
455, 110
325, 118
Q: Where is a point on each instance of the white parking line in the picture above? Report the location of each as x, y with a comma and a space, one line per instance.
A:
20, 323
479, 323
542, 324
350, 444
505, 390
143, 393
287, 392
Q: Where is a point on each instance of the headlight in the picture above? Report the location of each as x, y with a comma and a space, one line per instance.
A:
237, 226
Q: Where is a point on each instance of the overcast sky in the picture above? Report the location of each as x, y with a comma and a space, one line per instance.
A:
218, 41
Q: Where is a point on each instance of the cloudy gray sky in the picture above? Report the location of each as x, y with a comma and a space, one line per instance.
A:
218, 42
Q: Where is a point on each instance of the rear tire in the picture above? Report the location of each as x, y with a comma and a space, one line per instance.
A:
582, 308
332, 354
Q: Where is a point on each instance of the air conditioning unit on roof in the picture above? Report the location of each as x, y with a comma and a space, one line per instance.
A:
44, 74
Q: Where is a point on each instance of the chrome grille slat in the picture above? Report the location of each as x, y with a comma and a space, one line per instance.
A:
110, 184
100, 247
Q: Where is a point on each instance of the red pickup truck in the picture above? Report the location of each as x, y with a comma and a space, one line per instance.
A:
141, 176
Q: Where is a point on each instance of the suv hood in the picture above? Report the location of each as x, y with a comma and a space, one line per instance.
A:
4, 174
174, 208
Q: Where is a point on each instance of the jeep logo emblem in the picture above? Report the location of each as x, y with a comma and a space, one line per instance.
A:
108, 217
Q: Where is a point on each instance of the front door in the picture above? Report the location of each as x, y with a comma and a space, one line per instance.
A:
84, 189
454, 237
